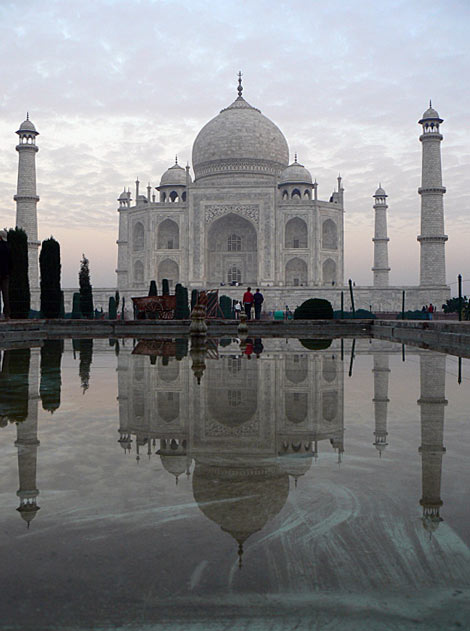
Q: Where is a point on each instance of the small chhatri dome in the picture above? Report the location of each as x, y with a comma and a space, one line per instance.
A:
431, 115
380, 192
174, 176
123, 196
27, 125
296, 173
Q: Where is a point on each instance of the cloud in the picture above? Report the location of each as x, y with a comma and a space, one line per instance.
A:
117, 88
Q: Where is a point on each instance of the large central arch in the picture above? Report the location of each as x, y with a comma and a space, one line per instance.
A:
232, 243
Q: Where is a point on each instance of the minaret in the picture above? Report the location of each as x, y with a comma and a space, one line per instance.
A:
432, 403
381, 269
432, 238
27, 443
381, 373
26, 198
122, 271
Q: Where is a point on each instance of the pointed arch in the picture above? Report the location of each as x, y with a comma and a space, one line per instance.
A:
296, 406
329, 271
168, 405
329, 235
296, 272
296, 233
168, 269
138, 272
138, 239
168, 235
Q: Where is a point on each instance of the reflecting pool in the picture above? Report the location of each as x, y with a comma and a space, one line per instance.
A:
263, 484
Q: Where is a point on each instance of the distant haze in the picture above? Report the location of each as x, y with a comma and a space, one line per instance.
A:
117, 88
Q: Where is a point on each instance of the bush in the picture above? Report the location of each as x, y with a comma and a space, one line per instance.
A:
361, 314
20, 297
181, 308
414, 315
194, 297
153, 288
314, 309
226, 306
165, 287
316, 345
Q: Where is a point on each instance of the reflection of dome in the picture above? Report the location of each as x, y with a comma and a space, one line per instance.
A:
240, 500
240, 140
174, 176
296, 465
295, 173
176, 465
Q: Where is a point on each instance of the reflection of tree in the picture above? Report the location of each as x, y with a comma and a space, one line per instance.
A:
14, 385
51, 357
85, 347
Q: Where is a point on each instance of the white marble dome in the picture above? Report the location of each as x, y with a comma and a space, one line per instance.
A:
240, 140
27, 125
174, 176
296, 173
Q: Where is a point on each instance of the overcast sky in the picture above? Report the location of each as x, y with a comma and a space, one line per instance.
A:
116, 88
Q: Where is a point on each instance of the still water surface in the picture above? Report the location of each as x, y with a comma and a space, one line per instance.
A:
280, 485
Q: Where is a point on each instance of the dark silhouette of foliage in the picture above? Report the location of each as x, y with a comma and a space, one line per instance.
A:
86, 292
181, 348
165, 287
14, 385
112, 310
314, 309
49, 265
86, 356
316, 345
76, 313
62, 305
181, 309
194, 297
361, 314
186, 311
51, 381
225, 341
117, 298
123, 307
226, 306
452, 305
20, 297
153, 288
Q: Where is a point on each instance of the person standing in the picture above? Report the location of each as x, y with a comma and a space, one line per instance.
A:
248, 302
258, 300
5, 269
237, 309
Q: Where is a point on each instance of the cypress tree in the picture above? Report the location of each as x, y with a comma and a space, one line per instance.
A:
179, 309
153, 288
20, 296
62, 305
112, 311
123, 308
165, 287
117, 298
86, 292
226, 306
49, 265
86, 356
76, 313
194, 297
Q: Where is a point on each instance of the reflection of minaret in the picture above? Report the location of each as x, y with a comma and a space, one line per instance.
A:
381, 372
432, 403
27, 443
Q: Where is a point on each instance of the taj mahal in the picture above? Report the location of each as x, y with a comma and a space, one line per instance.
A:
247, 215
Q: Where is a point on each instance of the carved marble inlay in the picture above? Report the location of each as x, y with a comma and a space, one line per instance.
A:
250, 211
250, 428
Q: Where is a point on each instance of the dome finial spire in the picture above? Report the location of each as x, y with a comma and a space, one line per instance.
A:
430, 103
176, 159
27, 116
295, 156
240, 87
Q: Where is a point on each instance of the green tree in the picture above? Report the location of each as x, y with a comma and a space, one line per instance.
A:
49, 265
86, 292
194, 297
20, 297
226, 306
165, 287
181, 302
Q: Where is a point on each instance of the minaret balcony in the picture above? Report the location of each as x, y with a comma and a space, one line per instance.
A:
432, 190
431, 239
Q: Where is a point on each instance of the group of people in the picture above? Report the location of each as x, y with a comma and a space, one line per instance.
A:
249, 301
429, 309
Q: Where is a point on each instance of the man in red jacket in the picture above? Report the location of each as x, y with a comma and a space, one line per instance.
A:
248, 302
